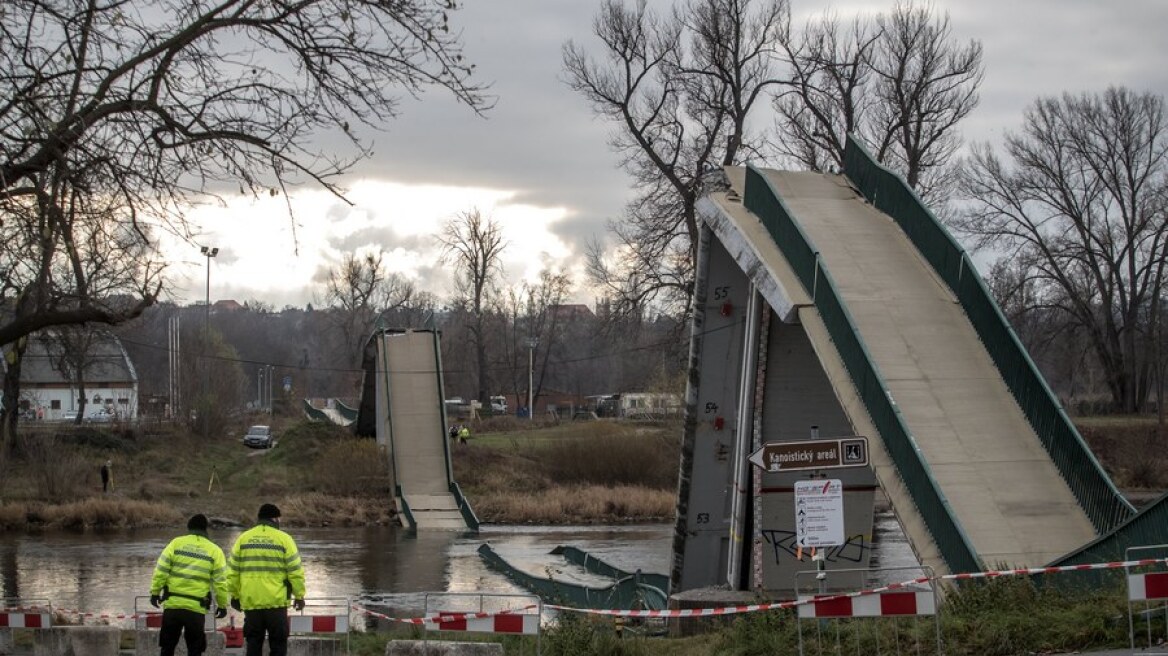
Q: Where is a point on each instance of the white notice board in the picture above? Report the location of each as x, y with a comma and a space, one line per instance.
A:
819, 513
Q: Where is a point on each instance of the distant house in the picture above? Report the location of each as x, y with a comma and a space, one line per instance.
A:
226, 306
567, 312
111, 383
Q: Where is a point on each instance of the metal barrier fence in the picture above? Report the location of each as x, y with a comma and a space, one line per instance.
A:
324, 618
25, 613
874, 620
1147, 587
511, 614
149, 617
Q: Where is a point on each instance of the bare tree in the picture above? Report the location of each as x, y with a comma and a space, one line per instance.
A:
1080, 201
679, 115
70, 351
150, 104
901, 83
474, 244
360, 291
68, 250
532, 320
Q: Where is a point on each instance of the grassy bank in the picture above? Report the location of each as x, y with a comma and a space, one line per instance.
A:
1003, 617
319, 475
512, 471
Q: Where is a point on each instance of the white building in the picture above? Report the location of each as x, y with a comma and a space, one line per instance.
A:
110, 382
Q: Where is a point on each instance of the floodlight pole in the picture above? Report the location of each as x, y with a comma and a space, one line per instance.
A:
532, 342
209, 252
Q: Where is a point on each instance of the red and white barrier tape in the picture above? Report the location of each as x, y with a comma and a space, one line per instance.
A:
440, 617
729, 610
704, 612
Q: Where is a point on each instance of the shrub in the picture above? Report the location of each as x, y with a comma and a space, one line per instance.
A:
352, 466
57, 469
606, 458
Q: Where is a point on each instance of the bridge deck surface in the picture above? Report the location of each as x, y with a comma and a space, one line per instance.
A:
419, 442
1004, 489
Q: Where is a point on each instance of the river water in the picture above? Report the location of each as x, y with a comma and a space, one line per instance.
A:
384, 569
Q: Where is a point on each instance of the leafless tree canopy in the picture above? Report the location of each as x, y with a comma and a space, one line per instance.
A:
900, 83
362, 291
679, 90
1078, 200
143, 106
474, 245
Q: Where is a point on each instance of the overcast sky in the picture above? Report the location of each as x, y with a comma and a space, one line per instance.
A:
540, 163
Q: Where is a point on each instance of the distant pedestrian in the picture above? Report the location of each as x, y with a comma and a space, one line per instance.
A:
264, 570
190, 572
463, 433
453, 431
106, 475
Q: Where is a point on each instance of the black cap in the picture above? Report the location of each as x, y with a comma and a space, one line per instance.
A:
197, 523
268, 511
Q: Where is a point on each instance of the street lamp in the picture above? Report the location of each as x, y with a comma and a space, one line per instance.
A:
209, 252
532, 342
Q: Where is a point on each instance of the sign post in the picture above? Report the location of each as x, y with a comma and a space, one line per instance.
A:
812, 454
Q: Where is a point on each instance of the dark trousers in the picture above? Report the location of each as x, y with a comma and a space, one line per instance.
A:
188, 623
274, 622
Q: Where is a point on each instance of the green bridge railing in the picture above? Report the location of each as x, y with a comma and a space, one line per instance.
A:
887, 192
955, 548
348, 413
314, 414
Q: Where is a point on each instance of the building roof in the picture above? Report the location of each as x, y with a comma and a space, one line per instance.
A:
109, 363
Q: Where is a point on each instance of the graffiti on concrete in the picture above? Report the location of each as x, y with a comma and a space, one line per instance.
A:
784, 544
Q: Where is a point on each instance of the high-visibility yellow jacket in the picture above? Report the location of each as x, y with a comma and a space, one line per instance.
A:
191, 568
264, 567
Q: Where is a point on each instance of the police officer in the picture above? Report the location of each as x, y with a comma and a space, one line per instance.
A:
263, 571
190, 569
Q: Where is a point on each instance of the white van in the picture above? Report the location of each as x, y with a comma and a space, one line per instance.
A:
499, 405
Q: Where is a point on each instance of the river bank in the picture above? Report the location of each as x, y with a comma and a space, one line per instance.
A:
512, 472
320, 476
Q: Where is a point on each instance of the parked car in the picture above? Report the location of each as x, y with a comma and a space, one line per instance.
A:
100, 417
70, 417
499, 405
258, 437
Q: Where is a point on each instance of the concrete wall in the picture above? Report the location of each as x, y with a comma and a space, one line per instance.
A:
77, 641
146, 644
434, 648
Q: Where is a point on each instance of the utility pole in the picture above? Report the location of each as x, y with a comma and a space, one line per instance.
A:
532, 342
205, 406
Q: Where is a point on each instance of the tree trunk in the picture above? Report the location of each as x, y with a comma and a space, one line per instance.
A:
11, 412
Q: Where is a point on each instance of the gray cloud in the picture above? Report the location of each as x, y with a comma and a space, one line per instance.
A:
542, 141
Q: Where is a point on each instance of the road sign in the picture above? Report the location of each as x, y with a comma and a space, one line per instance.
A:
819, 513
812, 454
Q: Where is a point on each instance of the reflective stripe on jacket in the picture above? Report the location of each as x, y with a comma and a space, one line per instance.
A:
191, 567
262, 560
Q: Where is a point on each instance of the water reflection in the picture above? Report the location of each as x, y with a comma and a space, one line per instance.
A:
382, 568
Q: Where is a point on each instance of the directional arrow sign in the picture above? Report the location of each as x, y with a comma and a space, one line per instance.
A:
812, 454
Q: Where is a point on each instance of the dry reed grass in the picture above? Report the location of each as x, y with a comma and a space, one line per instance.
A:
575, 505
352, 467
326, 510
1129, 449
87, 514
